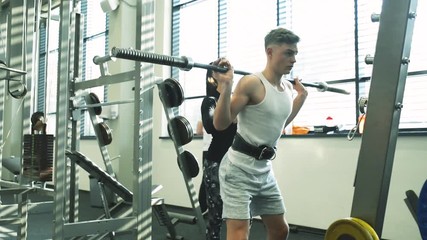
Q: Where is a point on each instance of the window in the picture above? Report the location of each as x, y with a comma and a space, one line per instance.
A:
95, 42
333, 47
326, 54
198, 41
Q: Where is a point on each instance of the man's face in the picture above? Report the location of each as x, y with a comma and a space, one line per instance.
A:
282, 57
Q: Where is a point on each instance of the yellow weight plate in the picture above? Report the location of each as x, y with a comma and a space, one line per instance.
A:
367, 227
347, 229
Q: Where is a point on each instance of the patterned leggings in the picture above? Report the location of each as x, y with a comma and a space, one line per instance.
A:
213, 200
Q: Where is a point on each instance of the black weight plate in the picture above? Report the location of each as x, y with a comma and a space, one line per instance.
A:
105, 136
187, 162
183, 131
174, 95
95, 100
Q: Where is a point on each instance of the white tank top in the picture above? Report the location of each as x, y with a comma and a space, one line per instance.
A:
262, 124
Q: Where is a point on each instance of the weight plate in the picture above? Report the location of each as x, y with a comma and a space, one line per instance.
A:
187, 162
347, 229
95, 100
105, 136
183, 132
173, 94
368, 227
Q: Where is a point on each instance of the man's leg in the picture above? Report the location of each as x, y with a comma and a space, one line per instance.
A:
277, 227
237, 229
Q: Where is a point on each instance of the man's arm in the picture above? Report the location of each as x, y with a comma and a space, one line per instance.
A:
222, 115
298, 100
229, 106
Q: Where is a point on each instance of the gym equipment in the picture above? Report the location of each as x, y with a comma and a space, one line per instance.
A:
208, 109
38, 157
17, 90
18, 70
186, 64
165, 218
350, 228
174, 93
17, 214
95, 100
12, 164
105, 134
4, 69
367, 227
390, 69
192, 166
142, 78
100, 174
184, 131
172, 96
363, 103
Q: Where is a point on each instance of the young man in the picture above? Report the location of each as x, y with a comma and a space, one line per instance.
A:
264, 105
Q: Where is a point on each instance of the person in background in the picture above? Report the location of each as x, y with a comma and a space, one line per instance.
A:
264, 105
216, 145
38, 123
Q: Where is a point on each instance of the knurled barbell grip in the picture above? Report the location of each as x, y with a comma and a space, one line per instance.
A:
219, 69
137, 55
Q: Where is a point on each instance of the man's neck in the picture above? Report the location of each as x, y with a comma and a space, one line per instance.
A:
272, 77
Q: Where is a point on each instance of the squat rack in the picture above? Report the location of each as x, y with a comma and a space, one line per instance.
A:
66, 224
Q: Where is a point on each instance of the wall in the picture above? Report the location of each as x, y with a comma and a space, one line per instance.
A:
316, 177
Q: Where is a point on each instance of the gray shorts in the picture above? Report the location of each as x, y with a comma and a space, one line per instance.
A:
247, 195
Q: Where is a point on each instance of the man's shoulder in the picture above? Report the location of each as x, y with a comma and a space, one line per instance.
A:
251, 80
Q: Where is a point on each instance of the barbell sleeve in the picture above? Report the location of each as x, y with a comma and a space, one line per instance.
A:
100, 60
337, 90
187, 64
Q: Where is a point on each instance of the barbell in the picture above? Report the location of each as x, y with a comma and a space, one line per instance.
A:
186, 64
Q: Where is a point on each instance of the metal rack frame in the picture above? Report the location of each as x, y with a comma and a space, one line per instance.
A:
66, 224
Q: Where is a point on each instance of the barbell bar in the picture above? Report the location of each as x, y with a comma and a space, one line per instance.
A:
186, 64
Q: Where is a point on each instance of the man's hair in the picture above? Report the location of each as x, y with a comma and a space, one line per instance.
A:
280, 36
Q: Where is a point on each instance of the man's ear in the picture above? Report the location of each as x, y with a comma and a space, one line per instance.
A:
269, 51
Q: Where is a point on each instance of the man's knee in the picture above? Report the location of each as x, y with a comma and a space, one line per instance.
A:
280, 232
277, 227
237, 229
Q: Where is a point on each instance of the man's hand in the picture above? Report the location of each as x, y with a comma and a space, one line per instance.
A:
298, 87
223, 78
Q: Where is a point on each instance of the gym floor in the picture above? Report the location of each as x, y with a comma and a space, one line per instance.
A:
40, 225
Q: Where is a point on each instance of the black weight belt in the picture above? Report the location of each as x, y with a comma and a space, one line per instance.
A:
259, 153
